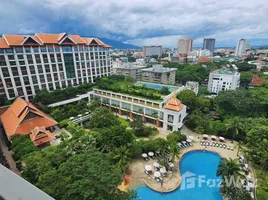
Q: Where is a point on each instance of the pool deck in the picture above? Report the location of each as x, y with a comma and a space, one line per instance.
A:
173, 179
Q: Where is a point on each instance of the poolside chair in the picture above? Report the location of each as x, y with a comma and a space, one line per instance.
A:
217, 144
211, 144
232, 148
207, 143
201, 143
220, 146
228, 148
146, 172
224, 146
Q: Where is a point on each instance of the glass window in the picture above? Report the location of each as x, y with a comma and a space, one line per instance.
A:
45, 59
17, 81
36, 49
2, 61
26, 80
59, 57
40, 69
69, 65
20, 91
5, 72
30, 59
9, 50
23, 70
66, 48
19, 50
34, 78
37, 59
14, 71
11, 57
50, 49
32, 69
43, 49
170, 118
27, 49
22, 62
20, 57
52, 58
12, 63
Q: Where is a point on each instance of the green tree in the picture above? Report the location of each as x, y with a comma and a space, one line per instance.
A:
164, 90
176, 136
229, 167
234, 124
101, 117
95, 103
174, 150
245, 78
188, 98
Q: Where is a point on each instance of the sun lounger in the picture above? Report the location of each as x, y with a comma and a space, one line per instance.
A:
220, 146
232, 148
217, 145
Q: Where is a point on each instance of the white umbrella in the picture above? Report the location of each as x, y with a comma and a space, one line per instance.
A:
213, 137
157, 174
163, 170
144, 155
171, 165
246, 166
222, 138
184, 142
87, 113
205, 136
179, 143
251, 185
156, 164
188, 140
148, 168
79, 115
191, 137
247, 188
71, 118
242, 157
151, 153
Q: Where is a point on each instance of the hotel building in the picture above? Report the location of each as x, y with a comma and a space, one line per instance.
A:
167, 113
49, 61
185, 45
152, 50
223, 79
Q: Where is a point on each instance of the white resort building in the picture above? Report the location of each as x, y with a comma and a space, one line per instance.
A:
167, 113
226, 78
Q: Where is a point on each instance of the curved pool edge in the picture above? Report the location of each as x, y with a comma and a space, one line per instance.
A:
184, 152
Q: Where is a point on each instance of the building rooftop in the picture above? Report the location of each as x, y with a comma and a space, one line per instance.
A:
174, 104
40, 39
256, 81
226, 70
131, 66
22, 117
13, 187
159, 69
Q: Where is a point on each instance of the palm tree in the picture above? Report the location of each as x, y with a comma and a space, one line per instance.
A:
122, 157
229, 167
174, 151
239, 147
235, 125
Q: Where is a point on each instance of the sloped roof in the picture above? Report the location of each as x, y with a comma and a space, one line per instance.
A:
22, 117
256, 80
9, 40
174, 104
203, 59
40, 135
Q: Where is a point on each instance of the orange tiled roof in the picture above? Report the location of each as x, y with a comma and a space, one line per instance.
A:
203, 59
256, 81
174, 104
43, 38
22, 117
3, 43
40, 135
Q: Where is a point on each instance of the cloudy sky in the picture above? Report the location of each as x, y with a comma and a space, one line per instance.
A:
141, 22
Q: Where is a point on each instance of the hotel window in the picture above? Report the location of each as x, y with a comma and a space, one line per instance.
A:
9, 51
179, 118
170, 118
47, 68
40, 69
36, 49
57, 49
19, 50
12, 63
69, 65
14, 71
17, 81
43, 49
42, 79
37, 59
32, 69
50, 49
11, 93
52, 58
67, 49
34, 78
23, 70
22, 62
59, 58
45, 59
2, 61
5, 72
11, 57
26, 80
20, 91
30, 59
27, 49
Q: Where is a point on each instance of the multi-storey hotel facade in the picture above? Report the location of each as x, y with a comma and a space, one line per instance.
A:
167, 113
49, 61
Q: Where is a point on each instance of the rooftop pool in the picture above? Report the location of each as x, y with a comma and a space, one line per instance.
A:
156, 86
198, 169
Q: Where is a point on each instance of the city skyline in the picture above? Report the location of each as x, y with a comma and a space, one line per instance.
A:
135, 22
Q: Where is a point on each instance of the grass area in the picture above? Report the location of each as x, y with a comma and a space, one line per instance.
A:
262, 189
123, 122
202, 91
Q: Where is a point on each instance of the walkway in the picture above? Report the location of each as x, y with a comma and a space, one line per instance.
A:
8, 154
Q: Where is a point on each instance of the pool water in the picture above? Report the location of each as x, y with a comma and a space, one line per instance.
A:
156, 86
197, 168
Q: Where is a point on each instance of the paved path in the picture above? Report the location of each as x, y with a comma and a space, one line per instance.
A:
8, 155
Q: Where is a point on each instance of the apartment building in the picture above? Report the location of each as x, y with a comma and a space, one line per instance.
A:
185, 45
159, 74
223, 79
131, 70
168, 113
152, 50
49, 61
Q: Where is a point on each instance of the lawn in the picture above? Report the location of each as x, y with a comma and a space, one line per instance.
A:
262, 189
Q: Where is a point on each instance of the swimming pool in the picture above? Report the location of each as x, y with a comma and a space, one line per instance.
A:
197, 169
156, 86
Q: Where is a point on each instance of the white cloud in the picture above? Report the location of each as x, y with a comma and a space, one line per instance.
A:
153, 21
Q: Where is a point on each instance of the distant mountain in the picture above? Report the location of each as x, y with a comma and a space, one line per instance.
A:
118, 45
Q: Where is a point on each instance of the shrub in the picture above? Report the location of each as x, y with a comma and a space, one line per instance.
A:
64, 123
176, 136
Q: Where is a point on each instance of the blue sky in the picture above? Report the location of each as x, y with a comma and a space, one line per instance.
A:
141, 22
